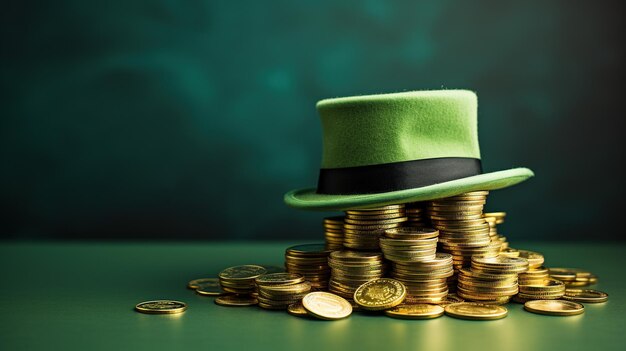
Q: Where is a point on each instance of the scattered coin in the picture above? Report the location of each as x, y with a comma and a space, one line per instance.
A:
585, 295
418, 311
161, 307
297, 309
554, 307
475, 311
236, 300
210, 289
196, 283
326, 306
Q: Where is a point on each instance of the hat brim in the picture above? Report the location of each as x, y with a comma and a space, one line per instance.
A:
308, 199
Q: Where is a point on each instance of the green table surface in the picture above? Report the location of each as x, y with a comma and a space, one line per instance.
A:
65, 296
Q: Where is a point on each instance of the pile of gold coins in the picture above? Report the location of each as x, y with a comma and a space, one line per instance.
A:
362, 228
277, 291
311, 261
387, 259
333, 232
463, 230
351, 269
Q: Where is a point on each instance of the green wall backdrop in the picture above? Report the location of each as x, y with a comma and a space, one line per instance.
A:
190, 119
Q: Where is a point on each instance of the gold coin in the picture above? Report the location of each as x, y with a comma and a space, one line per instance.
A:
554, 307
324, 305
475, 311
297, 309
279, 279
585, 295
450, 299
161, 307
210, 289
380, 294
196, 283
236, 300
243, 272
418, 311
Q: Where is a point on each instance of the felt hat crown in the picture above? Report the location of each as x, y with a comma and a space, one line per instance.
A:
398, 148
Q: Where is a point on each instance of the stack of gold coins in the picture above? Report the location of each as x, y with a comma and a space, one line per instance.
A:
278, 290
425, 281
463, 231
495, 218
550, 289
573, 277
333, 232
409, 244
363, 227
416, 215
486, 287
351, 269
491, 279
240, 279
535, 276
310, 260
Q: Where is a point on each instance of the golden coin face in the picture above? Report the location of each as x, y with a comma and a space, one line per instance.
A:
475, 311
279, 279
554, 307
248, 271
161, 307
196, 283
585, 295
236, 300
417, 311
380, 294
308, 250
327, 306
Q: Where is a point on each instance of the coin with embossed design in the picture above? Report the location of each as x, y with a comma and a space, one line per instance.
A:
475, 311
380, 294
324, 305
417, 311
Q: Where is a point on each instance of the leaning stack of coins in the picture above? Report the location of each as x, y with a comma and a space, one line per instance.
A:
409, 244
495, 218
463, 231
416, 215
333, 232
310, 260
351, 269
278, 290
240, 279
425, 281
363, 227
491, 279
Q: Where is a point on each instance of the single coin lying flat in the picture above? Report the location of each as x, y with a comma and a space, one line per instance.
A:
475, 311
161, 307
554, 307
235, 300
417, 311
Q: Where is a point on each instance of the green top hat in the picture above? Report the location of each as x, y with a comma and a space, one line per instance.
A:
397, 148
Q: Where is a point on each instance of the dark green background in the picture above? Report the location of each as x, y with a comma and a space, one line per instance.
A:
190, 119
